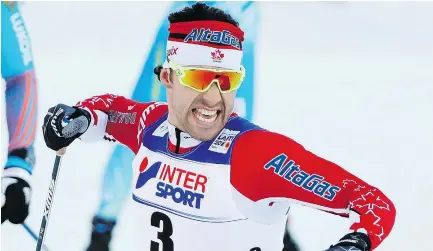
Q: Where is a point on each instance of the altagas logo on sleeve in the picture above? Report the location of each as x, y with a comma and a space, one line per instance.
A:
293, 173
181, 186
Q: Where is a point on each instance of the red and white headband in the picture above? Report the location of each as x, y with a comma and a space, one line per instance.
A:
205, 43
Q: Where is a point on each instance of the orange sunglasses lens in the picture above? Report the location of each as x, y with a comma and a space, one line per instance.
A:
202, 79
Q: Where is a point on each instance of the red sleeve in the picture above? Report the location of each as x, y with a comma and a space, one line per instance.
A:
116, 118
285, 169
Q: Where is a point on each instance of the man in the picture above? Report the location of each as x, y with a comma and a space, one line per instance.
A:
204, 178
117, 177
21, 107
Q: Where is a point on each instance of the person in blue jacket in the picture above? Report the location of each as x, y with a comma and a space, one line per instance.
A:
21, 110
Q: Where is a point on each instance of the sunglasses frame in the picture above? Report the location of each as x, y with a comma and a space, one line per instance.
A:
180, 72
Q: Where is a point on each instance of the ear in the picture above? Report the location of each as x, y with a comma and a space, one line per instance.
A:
164, 76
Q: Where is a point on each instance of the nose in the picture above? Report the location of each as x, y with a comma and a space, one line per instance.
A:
213, 95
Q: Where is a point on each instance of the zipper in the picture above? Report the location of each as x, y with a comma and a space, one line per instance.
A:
177, 131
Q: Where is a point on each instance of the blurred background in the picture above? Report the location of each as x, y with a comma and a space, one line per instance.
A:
351, 81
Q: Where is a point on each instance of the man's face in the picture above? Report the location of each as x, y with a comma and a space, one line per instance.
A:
201, 115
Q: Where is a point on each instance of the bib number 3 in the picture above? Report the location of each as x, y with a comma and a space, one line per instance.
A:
164, 235
166, 231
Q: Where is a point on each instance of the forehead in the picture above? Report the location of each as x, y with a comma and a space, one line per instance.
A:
207, 67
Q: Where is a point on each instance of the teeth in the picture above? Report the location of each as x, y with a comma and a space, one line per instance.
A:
207, 120
207, 112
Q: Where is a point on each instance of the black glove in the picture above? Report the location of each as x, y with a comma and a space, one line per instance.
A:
352, 242
63, 124
16, 194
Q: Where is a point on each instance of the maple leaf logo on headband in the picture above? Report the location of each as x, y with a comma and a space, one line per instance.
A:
217, 56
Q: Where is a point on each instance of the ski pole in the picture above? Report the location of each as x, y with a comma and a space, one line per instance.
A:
50, 196
33, 235
73, 127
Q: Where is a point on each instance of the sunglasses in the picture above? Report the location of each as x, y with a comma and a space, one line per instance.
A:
201, 79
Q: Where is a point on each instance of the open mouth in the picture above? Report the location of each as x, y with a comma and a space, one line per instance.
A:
204, 115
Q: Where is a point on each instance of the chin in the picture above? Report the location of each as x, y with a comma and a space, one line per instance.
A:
205, 134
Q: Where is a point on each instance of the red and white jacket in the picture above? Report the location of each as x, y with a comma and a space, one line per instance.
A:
266, 172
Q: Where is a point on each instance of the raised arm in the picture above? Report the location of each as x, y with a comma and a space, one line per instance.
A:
116, 118
109, 117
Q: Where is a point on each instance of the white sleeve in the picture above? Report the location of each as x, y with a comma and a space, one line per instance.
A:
95, 132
